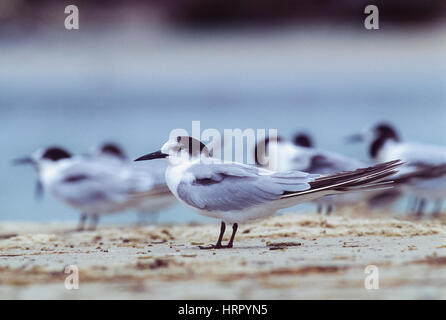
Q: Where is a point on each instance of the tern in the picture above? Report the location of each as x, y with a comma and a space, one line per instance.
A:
237, 193
423, 176
90, 185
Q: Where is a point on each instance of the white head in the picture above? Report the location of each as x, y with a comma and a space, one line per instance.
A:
179, 149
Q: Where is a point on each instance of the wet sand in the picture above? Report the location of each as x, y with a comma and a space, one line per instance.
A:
285, 257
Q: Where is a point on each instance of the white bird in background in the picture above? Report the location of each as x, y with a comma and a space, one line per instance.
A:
160, 198
90, 185
237, 193
303, 156
424, 173
296, 157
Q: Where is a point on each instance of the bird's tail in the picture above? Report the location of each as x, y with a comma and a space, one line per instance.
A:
370, 178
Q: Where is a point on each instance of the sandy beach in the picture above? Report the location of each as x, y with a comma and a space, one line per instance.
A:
289, 256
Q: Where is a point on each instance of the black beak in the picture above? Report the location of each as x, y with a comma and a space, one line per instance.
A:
354, 138
25, 160
153, 155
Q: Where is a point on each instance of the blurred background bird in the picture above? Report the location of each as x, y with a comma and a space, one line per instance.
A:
423, 176
96, 184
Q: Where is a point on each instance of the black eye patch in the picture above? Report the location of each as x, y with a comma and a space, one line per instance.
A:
55, 154
113, 149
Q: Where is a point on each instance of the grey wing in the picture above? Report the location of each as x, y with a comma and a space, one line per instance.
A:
232, 187
90, 181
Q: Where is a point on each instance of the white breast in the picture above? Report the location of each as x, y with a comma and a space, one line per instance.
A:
177, 173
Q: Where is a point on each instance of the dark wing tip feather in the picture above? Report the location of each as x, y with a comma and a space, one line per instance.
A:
368, 172
344, 181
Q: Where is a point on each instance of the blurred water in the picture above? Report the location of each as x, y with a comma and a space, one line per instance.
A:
51, 92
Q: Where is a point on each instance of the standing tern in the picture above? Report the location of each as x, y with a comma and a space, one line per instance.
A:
237, 193
89, 185
423, 176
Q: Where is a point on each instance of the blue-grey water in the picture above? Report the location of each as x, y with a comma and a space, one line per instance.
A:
79, 93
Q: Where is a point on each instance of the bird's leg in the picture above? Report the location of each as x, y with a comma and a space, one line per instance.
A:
319, 209
234, 231
94, 222
437, 210
220, 238
413, 205
329, 209
420, 209
82, 220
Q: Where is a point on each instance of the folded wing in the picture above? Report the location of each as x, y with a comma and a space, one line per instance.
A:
88, 182
232, 187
